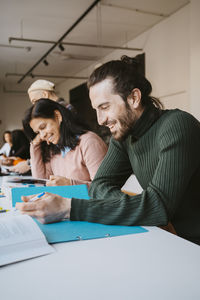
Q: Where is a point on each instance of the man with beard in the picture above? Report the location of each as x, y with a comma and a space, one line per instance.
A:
161, 147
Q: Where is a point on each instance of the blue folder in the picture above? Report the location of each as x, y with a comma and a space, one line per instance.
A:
67, 191
66, 231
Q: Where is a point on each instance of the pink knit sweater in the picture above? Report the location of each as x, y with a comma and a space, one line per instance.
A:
80, 165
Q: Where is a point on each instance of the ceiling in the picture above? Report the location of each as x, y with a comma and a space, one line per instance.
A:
111, 23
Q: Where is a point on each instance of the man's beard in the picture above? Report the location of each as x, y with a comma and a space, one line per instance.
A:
126, 121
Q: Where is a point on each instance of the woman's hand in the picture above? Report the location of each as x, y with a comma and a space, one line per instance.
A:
7, 162
21, 167
58, 180
37, 140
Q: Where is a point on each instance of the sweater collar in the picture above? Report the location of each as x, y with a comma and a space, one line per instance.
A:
149, 116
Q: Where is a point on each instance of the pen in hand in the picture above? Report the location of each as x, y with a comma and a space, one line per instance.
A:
37, 197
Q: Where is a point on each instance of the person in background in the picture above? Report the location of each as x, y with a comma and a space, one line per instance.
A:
5, 149
40, 89
62, 150
161, 147
19, 150
44, 89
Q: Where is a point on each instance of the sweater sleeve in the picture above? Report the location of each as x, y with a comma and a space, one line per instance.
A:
178, 159
93, 150
39, 169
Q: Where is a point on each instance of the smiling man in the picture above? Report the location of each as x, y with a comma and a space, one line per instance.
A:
119, 116
161, 147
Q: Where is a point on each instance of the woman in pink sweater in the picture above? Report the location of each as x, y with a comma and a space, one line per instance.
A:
61, 149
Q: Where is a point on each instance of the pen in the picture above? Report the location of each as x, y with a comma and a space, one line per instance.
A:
3, 210
37, 197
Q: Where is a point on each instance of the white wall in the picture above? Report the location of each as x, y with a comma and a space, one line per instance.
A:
195, 57
167, 60
12, 111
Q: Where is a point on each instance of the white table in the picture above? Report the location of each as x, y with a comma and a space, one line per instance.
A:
155, 265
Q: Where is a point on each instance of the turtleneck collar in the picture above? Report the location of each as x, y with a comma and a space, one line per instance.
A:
149, 116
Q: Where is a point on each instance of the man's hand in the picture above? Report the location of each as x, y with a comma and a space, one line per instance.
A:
58, 180
21, 167
47, 209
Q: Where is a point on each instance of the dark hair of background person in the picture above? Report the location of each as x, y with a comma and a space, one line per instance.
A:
70, 127
7, 131
126, 76
20, 144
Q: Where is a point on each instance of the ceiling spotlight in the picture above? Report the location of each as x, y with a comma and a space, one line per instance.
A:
61, 47
45, 62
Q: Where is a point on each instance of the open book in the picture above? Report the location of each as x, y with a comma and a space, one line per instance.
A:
20, 239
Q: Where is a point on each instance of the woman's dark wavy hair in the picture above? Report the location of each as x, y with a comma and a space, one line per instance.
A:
70, 127
126, 77
19, 140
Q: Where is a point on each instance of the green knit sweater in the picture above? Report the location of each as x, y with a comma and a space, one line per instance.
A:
163, 151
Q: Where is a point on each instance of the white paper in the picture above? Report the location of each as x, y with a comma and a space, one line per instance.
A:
21, 238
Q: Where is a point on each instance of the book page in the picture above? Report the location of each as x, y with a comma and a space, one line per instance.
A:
21, 238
